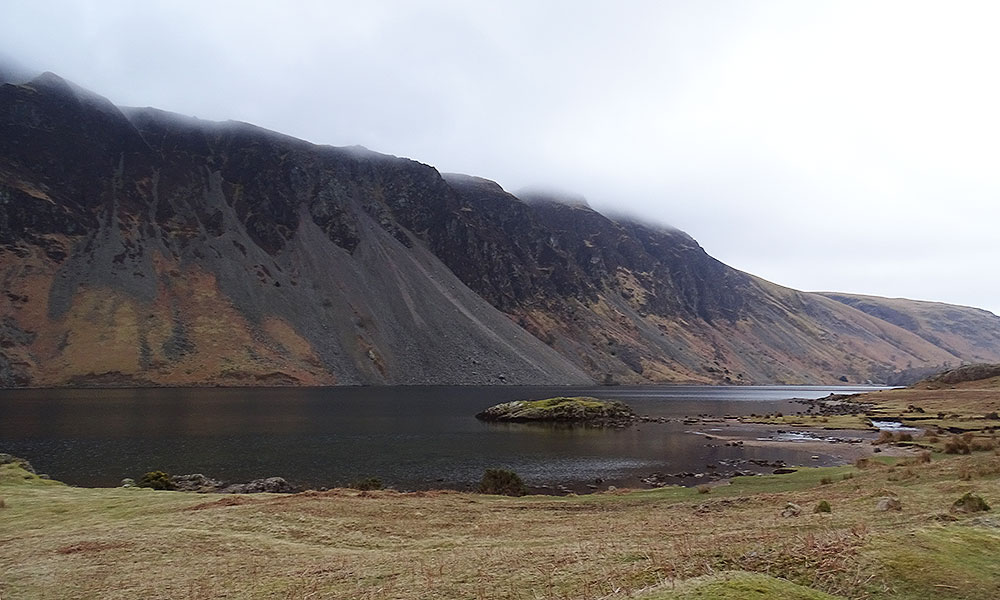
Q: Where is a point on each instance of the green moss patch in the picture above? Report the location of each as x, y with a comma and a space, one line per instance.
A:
580, 409
738, 586
15, 474
951, 562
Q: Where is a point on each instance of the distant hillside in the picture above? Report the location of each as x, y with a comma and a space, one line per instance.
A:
138, 247
980, 374
971, 333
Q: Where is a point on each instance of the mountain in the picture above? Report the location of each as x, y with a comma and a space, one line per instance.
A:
139, 247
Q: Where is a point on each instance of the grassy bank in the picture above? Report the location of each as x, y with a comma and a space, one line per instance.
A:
729, 541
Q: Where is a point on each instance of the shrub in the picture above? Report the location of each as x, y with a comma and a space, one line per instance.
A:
884, 437
502, 482
923, 457
981, 445
704, 489
904, 437
367, 484
826, 480
970, 503
956, 445
822, 507
158, 480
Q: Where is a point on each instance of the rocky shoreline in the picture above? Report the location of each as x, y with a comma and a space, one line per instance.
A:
199, 483
582, 410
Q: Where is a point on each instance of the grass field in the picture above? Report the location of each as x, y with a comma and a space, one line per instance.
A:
730, 541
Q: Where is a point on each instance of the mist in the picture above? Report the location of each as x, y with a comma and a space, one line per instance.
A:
823, 145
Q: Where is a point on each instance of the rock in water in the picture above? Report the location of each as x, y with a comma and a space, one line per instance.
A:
561, 409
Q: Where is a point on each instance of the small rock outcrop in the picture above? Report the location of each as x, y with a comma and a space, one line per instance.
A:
202, 484
196, 482
969, 503
579, 409
887, 503
6, 459
270, 485
791, 510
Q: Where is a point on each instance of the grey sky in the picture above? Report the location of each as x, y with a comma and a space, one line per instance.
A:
847, 146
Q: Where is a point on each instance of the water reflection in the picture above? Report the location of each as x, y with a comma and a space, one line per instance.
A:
411, 437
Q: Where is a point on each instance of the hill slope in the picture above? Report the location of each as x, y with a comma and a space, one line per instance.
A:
154, 249
140, 247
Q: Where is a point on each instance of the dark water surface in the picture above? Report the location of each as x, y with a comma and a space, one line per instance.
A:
410, 437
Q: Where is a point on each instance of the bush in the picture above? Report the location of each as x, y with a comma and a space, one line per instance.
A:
901, 475
884, 437
956, 445
502, 482
368, 484
826, 480
704, 489
982, 445
158, 480
970, 503
822, 507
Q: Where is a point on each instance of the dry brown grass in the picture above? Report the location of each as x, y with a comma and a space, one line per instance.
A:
964, 406
60, 542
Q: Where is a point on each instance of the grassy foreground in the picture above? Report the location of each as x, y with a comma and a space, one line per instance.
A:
728, 542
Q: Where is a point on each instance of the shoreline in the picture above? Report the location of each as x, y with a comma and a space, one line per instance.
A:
827, 447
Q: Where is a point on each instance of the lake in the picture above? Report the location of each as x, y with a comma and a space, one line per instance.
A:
409, 437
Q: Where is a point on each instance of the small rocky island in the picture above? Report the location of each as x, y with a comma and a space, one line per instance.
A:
579, 409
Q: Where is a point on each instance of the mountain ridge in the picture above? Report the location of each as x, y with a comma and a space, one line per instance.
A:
140, 247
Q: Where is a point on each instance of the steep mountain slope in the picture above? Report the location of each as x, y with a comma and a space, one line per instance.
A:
635, 302
140, 247
154, 249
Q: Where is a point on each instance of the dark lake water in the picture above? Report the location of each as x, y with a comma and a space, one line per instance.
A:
410, 437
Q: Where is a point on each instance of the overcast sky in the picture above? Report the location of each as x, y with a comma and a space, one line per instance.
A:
847, 146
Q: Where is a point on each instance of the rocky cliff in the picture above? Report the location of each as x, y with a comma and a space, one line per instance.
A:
138, 247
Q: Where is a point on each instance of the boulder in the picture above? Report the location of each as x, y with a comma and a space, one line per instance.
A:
886, 503
195, 482
970, 503
791, 510
271, 485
